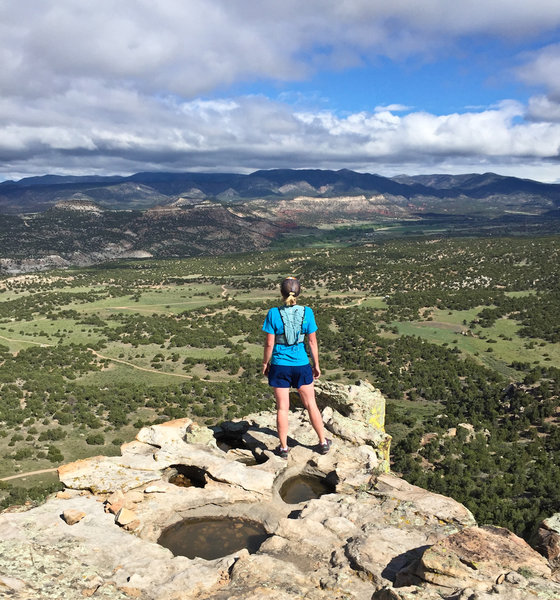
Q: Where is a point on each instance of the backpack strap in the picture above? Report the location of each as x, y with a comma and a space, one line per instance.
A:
292, 320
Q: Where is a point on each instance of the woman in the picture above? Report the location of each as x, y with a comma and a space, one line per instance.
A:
286, 363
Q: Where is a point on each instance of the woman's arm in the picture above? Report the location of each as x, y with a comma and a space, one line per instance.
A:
314, 349
267, 354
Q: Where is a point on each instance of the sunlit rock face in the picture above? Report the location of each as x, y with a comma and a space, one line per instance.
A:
548, 539
366, 534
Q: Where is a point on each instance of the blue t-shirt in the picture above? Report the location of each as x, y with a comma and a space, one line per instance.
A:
289, 355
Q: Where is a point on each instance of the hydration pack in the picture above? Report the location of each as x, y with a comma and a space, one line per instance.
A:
292, 318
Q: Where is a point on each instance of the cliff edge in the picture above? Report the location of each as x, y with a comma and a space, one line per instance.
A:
366, 535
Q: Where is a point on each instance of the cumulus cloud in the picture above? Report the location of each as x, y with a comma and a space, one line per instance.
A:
543, 108
250, 133
193, 47
542, 68
123, 85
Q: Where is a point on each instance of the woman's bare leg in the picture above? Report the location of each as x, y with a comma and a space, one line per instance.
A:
282, 396
307, 395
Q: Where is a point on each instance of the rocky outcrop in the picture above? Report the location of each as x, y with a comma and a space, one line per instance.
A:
313, 209
78, 204
373, 536
548, 540
14, 266
356, 414
475, 555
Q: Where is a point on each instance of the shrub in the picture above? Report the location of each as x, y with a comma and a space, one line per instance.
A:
95, 439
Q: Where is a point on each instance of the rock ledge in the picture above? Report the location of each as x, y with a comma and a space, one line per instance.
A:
375, 536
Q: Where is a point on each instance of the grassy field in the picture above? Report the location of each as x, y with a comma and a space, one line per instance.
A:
408, 414
134, 364
123, 365
496, 347
72, 447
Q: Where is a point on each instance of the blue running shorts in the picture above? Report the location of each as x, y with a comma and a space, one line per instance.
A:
285, 376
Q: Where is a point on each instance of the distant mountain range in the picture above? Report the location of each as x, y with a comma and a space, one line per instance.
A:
60, 220
146, 190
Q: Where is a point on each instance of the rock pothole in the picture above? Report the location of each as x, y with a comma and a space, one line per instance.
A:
213, 537
352, 543
187, 476
304, 487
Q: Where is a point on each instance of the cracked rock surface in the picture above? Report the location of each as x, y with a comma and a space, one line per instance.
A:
373, 536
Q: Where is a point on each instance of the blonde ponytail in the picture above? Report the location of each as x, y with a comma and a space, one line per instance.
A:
291, 299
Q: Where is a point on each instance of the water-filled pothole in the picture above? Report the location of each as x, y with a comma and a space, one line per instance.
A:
187, 476
211, 538
304, 487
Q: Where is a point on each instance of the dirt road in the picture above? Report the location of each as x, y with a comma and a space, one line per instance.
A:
20, 475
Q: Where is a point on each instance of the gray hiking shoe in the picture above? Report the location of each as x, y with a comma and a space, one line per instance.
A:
325, 446
282, 452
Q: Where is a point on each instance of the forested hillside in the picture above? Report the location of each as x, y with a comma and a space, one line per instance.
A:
461, 335
79, 221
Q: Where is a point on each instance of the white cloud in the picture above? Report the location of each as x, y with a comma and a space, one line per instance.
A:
542, 68
250, 133
393, 108
542, 108
191, 47
116, 85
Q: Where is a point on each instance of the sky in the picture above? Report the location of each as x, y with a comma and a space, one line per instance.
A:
400, 87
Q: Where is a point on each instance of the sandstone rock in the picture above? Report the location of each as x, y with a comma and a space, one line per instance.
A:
515, 578
132, 525
255, 479
114, 502
358, 433
71, 516
219, 467
171, 432
136, 448
425, 503
548, 540
356, 413
102, 474
130, 592
475, 557
354, 468
268, 577
125, 516
64, 495
92, 585
241, 455
361, 402
497, 592
156, 489
50, 559
72, 467
113, 508
12, 585
412, 593
200, 435
373, 533
133, 497
380, 553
